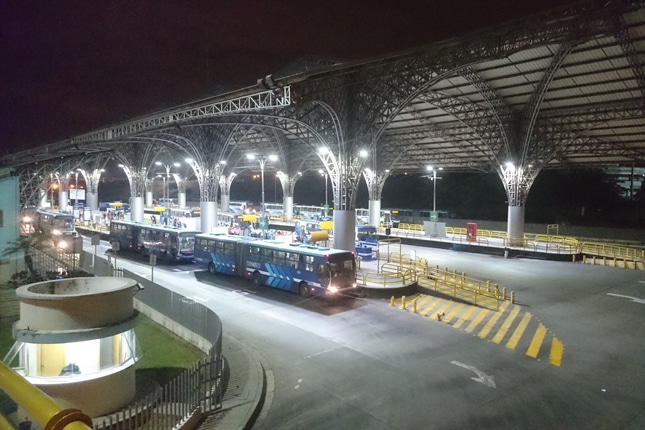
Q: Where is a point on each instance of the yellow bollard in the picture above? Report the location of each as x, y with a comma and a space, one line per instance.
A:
573, 258
593, 260
463, 277
504, 292
392, 301
402, 302
415, 306
513, 297
488, 286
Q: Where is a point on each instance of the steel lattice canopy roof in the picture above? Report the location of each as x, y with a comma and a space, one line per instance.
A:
563, 89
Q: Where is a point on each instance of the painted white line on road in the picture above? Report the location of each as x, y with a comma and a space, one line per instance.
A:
633, 299
320, 353
481, 376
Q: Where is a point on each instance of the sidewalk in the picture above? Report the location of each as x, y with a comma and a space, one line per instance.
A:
245, 389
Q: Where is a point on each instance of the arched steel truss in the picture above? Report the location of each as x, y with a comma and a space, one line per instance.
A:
561, 90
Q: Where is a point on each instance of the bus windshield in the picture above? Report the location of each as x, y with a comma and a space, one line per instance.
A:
342, 268
186, 242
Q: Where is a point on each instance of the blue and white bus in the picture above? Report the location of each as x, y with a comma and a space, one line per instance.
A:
295, 267
166, 242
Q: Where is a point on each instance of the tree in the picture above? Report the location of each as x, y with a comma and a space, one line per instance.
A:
27, 244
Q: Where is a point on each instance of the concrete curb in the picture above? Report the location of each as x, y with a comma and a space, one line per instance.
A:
245, 392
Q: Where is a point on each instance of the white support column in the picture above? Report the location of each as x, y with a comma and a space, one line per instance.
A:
181, 199
375, 212
92, 202
208, 216
148, 199
288, 208
136, 210
44, 202
62, 201
225, 200
515, 228
345, 229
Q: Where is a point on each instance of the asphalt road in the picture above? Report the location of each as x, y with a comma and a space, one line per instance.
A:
362, 364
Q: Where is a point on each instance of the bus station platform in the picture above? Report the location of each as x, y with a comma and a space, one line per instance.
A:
398, 264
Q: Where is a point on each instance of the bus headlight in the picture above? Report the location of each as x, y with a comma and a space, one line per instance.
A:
56, 232
332, 289
62, 244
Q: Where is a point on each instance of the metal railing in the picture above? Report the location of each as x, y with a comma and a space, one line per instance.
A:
465, 288
196, 391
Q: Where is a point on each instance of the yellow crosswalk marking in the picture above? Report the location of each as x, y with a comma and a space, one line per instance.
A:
466, 316
499, 336
421, 303
492, 321
480, 316
445, 306
519, 331
453, 313
536, 342
557, 348
433, 305
409, 301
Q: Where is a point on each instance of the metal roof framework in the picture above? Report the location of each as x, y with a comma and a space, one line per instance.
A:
560, 90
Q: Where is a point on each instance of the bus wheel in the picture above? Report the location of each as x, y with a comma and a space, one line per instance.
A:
256, 279
303, 289
211, 268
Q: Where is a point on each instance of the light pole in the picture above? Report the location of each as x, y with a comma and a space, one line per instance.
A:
324, 173
434, 189
166, 185
263, 160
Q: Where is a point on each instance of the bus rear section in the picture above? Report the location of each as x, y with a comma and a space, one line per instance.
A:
219, 252
303, 269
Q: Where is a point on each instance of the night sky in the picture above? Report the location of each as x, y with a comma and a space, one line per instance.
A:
69, 67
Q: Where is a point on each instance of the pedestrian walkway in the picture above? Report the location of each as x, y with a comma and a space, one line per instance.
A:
511, 326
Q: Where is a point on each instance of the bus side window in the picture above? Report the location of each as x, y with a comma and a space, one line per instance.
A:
309, 263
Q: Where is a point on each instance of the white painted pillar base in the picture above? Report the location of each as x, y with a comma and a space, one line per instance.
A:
375, 212
345, 230
136, 210
62, 201
181, 200
92, 202
515, 225
208, 216
287, 206
225, 201
44, 202
148, 199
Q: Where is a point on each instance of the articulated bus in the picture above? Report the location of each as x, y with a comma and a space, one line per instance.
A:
298, 268
167, 243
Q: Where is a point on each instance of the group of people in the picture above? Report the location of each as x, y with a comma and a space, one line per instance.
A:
171, 221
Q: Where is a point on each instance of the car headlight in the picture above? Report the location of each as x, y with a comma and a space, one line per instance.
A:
332, 289
62, 244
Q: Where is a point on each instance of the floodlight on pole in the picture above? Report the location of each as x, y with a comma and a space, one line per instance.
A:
434, 186
166, 189
262, 159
